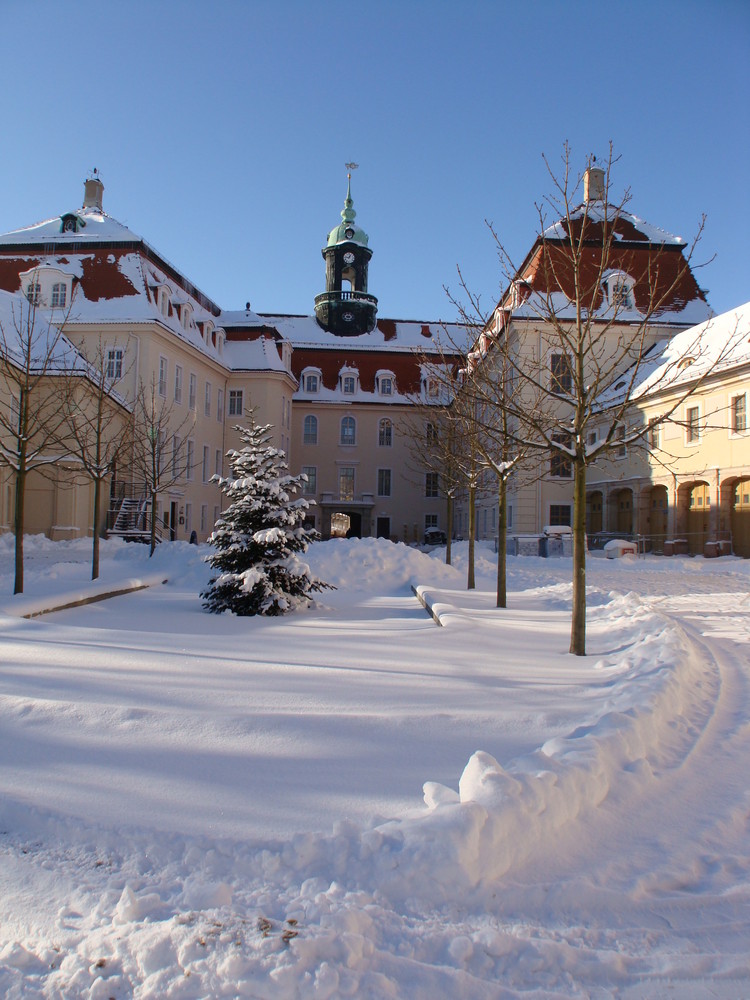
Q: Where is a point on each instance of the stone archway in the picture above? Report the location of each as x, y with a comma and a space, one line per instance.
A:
621, 511
740, 518
658, 514
594, 510
695, 509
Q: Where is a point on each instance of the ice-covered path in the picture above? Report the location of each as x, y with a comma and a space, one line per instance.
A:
189, 803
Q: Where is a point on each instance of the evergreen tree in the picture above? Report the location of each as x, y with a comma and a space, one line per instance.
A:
259, 534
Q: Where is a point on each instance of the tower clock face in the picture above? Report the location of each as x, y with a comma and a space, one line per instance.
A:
348, 317
348, 233
348, 257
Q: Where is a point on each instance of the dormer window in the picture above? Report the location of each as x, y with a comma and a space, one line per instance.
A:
164, 302
185, 317
59, 294
385, 382
311, 383
34, 293
70, 223
311, 380
348, 378
619, 290
207, 328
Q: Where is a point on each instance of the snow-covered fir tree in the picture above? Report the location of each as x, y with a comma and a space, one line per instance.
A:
259, 534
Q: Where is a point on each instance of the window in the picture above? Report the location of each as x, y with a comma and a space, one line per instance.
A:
220, 405
349, 384
59, 294
385, 433
15, 413
192, 391
178, 383
311, 471
561, 373
188, 517
114, 363
175, 455
236, 404
206, 460
559, 514
216, 513
431, 484
348, 431
311, 383
190, 459
386, 385
164, 302
430, 521
622, 448
162, 376
346, 482
34, 293
559, 463
384, 482
310, 430
217, 462
433, 388
432, 434
739, 414
204, 518
692, 425
654, 432
207, 400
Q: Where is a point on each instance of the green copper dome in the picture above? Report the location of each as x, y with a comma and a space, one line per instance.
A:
347, 231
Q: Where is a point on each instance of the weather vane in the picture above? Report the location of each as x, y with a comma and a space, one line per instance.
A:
350, 167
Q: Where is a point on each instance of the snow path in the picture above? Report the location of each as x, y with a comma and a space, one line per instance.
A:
606, 855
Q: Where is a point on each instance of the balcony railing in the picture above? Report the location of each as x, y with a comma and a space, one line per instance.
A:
345, 296
348, 499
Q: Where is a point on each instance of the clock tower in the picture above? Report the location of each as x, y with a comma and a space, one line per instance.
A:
345, 308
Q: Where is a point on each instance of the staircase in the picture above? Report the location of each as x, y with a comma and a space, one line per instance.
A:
132, 520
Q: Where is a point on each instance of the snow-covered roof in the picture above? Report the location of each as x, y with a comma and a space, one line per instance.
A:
388, 335
713, 347
539, 305
624, 225
95, 226
261, 354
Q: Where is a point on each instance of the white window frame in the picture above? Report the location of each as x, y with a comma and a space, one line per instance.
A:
59, 295
204, 518
348, 440
163, 375
310, 429
206, 461
236, 402
385, 479
220, 405
431, 485
114, 362
693, 426
207, 400
385, 432
217, 462
190, 460
178, 383
311, 486
193, 391
734, 430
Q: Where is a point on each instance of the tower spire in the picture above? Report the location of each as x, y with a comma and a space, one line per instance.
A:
348, 214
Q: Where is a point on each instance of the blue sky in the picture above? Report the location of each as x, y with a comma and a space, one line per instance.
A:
221, 131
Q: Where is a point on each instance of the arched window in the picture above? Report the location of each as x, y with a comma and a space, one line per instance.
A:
348, 430
385, 433
310, 431
59, 294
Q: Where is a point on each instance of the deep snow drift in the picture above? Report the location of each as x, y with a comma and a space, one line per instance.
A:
200, 806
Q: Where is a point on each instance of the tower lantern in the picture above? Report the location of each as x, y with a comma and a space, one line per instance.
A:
346, 309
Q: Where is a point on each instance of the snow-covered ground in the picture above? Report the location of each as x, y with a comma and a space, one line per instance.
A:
352, 801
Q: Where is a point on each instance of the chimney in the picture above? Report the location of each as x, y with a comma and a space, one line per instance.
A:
93, 190
593, 184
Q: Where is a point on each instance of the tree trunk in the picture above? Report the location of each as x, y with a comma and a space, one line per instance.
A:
470, 581
449, 532
578, 623
18, 524
502, 544
153, 524
95, 551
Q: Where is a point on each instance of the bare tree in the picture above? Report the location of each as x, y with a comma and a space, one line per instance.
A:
97, 423
33, 354
161, 448
579, 321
